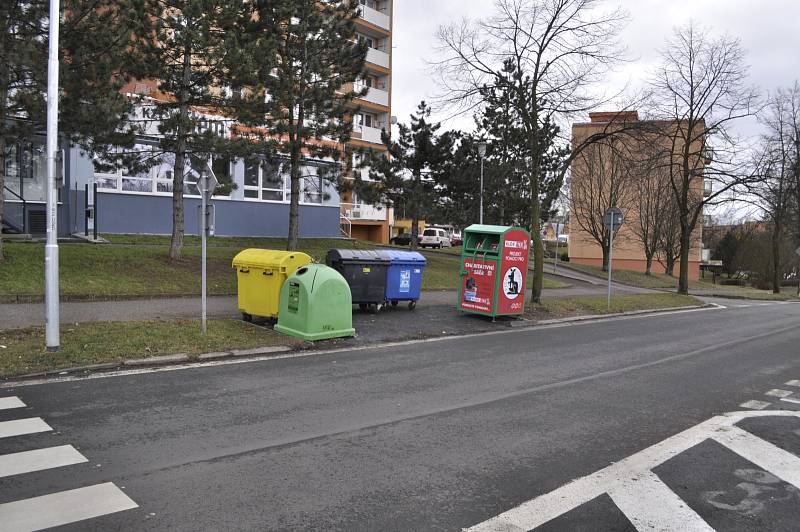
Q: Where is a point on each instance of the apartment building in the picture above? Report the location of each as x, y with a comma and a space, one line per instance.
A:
628, 248
258, 204
358, 219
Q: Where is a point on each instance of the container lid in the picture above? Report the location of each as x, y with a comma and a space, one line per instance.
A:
490, 229
314, 275
269, 258
412, 257
356, 255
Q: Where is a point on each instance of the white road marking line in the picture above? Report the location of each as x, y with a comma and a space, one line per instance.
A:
755, 405
544, 508
18, 427
793, 383
39, 459
778, 393
10, 402
765, 455
790, 400
64, 507
650, 505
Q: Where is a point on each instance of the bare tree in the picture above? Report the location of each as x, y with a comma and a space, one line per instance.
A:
650, 184
774, 190
546, 53
601, 178
668, 250
700, 90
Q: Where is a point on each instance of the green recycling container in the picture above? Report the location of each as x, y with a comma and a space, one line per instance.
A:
316, 304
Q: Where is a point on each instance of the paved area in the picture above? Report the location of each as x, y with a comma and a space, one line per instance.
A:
32, 314
432, 435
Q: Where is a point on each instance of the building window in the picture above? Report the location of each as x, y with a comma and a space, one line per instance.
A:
265, 181
25, 171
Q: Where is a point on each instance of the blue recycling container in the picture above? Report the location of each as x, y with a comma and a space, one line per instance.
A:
404, 276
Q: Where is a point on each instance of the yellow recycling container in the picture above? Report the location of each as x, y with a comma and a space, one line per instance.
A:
260, 274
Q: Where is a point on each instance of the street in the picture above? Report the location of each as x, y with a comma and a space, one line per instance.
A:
439, 434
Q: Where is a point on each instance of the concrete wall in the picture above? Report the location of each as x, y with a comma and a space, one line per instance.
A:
132, 213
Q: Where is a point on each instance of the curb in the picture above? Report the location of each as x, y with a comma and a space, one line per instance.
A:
164, 360
523, 324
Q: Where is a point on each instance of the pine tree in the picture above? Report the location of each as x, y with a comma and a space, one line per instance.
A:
92, 68
185, 47
415, 165
295, 95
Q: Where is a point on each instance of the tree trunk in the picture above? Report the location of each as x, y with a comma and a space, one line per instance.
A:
648, 270
604, 249
683, 276
178, 217
669, 266
776, 258
2, 192
414, 231
294, 199
176, 242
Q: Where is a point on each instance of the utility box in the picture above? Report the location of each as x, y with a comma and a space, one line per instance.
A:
316, 305
260, 274
365, 272
404, 276
494, 268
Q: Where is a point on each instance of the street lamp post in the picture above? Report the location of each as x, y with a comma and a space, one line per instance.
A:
52, 333
482, 155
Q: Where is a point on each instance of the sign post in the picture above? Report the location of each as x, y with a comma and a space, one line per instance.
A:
797, 251
208, 182
612, 220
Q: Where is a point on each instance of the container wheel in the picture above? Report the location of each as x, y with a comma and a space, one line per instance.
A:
247, 317
394, 303
412, 305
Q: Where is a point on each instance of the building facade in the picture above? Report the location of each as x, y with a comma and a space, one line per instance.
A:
257, 204
628, 250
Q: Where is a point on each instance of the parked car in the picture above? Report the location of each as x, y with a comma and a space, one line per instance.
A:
402, 239
435, 238
456, 238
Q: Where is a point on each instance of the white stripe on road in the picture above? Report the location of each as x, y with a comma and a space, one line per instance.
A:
650, 505
790, 400
39, 459
765, 455
755, 405
18, 427
778, 393
793, 383
63, 507
10, 402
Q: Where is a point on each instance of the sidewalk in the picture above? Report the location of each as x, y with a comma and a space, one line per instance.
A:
18, 315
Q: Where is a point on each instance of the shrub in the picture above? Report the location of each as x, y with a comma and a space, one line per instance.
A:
565, 257
732, 282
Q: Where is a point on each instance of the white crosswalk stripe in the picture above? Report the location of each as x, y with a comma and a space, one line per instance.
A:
20, 427
64, 507
39, 459
53, 509
10, 402
643, 498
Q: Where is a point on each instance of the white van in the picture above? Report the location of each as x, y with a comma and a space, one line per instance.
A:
434, 238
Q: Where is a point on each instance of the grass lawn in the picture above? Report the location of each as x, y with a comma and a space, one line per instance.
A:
138, 266
659, 280
576, 306
93, 343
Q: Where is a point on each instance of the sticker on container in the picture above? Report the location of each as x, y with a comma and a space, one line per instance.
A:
366, 270
405, 281
512, 282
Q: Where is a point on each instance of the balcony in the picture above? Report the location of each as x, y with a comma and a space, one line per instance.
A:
377, 96
361, 211
374, 16
378, 57
367, 134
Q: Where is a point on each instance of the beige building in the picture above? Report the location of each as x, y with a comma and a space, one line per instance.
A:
358, 219
603, 175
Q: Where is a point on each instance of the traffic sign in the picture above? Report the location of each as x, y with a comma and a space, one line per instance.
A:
208, 181
613, 218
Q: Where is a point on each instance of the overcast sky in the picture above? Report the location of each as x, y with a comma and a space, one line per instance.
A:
769, 30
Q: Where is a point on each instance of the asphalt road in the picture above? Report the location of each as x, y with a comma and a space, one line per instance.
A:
432, 435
